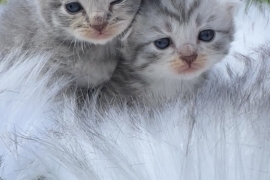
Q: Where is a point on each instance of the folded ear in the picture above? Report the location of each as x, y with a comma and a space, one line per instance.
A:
232, 5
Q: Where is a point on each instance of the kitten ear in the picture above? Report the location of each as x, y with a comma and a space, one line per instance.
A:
126, 35
233, 5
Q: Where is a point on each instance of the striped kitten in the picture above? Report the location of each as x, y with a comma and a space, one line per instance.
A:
80, 35
172, 45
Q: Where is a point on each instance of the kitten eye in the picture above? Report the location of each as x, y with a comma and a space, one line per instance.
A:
73, 7
116, 2
162, 43
206, 35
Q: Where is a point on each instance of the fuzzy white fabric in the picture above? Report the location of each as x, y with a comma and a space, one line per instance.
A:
1, 8
221, 133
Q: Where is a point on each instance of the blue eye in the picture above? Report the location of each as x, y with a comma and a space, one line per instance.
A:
206, 35
162, 43
73, 7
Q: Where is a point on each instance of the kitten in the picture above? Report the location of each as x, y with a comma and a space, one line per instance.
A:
80, 35
172, 45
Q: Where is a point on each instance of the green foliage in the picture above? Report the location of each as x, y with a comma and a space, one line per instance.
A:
261, 0
2, 1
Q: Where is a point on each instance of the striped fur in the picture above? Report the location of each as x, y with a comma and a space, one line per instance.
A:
45, 26
147, 70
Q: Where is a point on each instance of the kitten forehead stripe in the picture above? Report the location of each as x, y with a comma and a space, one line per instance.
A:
190, 12
185, 12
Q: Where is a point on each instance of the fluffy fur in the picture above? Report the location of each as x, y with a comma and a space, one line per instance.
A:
219, 133
46, 26
181, 66
1, 8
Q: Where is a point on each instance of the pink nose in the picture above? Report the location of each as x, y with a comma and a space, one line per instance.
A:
189, 59
99, 27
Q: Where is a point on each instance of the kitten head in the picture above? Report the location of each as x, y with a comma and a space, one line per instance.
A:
94, 21
180, 38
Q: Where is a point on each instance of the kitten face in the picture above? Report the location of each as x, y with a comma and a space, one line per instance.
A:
180, 39
94, 21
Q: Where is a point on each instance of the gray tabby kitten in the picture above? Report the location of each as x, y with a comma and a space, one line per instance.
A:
80, 35
172, 45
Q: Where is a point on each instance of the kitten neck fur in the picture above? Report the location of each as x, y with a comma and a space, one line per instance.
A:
172, 45
76, 43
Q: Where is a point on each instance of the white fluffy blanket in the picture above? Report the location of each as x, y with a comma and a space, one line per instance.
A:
222, 133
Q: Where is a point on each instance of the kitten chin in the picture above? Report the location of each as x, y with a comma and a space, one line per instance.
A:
173, 44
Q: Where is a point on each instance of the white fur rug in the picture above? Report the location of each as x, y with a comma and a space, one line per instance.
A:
1, 8
221, 133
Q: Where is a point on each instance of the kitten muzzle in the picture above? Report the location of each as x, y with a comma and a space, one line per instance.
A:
98, 18
189, 59
100, 27
188, 53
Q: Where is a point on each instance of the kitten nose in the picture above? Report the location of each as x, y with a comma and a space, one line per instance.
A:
99, 27
98, 20
189, 59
